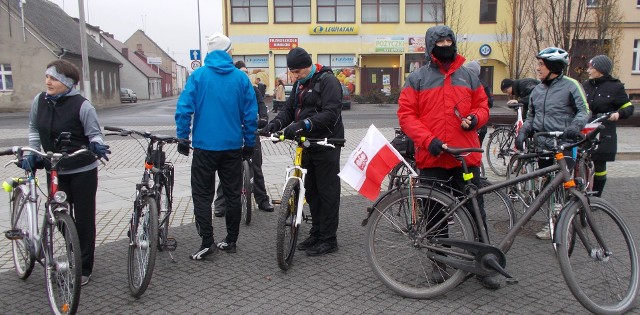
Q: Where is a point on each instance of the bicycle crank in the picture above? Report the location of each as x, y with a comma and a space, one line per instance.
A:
487, 259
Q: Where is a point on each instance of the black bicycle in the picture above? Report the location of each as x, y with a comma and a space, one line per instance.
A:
152, 208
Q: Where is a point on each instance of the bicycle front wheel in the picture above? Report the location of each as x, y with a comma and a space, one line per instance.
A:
287, 230
245, 195
603, 281
143, 246
63, 264
21, 247
398, 254
165, 203
499, 150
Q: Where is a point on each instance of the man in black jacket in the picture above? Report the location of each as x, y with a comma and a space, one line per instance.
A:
314, 110
521, 89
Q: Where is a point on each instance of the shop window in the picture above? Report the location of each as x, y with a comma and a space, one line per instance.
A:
249, 11
336, 11
488, 11
380, 11
292, 11
343, 68
636, 57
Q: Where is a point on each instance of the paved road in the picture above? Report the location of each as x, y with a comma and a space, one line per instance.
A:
250, 282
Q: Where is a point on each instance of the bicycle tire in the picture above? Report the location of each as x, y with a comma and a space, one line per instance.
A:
143, 247
21, 249
287, 232
245, 194
499, 149
401, 265
500, 212
165, 203
63, 264
602, 284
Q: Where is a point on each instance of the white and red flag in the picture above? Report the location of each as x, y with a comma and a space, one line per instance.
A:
369, 163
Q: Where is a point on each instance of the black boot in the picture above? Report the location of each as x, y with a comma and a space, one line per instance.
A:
598, 186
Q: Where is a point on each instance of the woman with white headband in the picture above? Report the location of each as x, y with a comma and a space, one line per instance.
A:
61, 108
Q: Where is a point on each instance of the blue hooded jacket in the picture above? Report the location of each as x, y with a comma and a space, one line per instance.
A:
222, 102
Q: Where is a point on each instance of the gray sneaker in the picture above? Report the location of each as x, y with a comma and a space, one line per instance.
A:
85, 280
203, 252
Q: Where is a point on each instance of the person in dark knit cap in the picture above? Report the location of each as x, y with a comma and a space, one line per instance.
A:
521, 89
314, 110
605, 94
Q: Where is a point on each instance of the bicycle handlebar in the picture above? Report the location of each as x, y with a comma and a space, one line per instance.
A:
146, 134
590, 136
304, 141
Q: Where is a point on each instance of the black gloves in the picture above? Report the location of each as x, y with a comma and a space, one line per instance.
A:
247, 152
101, 150
472, 124
31, 162
522, 136
273, 126
262, 123
572, 132
294, 129
435, 147
183, 148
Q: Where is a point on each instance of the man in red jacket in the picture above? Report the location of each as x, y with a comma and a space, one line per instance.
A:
443, 104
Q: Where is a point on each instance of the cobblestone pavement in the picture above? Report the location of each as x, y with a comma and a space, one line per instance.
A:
250, 282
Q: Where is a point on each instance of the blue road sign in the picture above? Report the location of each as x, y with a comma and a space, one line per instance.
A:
194, 54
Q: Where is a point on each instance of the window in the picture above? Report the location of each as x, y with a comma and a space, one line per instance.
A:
337, 11
635, 68
249, 11
592, 3
380, 11
292, 11
488, 9
424, 11
6, 78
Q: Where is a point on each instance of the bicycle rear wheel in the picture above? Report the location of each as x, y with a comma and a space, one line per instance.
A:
501, 214
287, 230
603, 282
143, 246
21, 248
63, 264
499, 149
401, 260
247, 190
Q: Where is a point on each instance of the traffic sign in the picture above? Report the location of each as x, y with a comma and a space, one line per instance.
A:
195, 64
194, 54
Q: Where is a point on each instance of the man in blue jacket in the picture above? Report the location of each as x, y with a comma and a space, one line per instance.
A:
220, 103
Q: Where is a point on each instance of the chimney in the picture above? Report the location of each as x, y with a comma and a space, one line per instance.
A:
125, 52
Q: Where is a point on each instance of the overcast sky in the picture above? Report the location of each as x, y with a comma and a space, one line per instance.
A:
172, 24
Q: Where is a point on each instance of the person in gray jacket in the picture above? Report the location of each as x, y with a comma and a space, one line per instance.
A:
557, 104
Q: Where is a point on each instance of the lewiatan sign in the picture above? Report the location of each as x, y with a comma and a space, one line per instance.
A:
332, 29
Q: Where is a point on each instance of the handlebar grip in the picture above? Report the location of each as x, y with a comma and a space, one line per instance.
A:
110, 128
8, 151
594, 133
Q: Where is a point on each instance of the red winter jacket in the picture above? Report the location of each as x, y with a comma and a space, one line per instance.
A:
427, 106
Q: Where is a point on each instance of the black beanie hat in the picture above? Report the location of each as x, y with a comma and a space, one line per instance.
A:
602, 63
505, 84
298, 58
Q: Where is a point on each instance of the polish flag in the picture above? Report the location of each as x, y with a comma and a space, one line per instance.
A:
369, 163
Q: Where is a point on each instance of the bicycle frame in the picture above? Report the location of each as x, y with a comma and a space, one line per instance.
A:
299, 173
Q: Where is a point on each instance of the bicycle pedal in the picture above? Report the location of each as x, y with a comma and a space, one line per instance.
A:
13, 235
170, 244
276, 201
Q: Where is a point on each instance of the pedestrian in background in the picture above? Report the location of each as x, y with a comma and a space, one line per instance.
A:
520, 89
280, 97
314, 110
259, 190
605, 94
475, 67
557, 104
219, 102
436, 113
61, 108
261, 87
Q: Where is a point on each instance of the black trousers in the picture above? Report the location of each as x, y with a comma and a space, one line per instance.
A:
259, 189
81, 191
203, 179
322, 186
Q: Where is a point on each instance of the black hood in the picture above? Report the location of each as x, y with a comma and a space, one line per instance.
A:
435, 33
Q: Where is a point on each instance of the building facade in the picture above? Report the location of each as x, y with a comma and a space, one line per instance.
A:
370, 44
143, 45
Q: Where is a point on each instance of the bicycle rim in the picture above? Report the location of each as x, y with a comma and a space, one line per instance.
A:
287, 236
143, 247
63, 264
499, 150
245, 195
21, 249
399, 259
603, 283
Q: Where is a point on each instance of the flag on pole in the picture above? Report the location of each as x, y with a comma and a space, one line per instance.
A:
369, 163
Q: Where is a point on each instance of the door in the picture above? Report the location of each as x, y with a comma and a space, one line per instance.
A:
379, 79
486, 76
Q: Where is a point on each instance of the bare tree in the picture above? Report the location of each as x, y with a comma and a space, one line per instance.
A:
454, 18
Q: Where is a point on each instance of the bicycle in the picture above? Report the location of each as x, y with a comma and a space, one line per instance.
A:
500, 146
290, 214
152, 208
247, 191
439, 236
54, 244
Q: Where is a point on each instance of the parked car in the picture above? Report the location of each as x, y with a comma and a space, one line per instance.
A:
128, 95
346, 97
